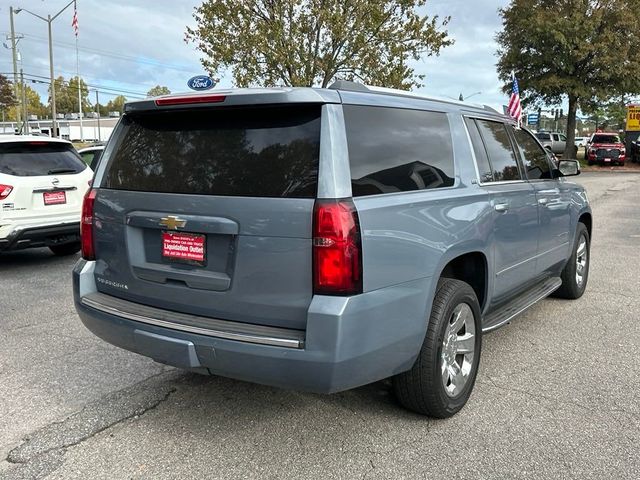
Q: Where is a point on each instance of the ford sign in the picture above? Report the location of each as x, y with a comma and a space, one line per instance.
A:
200, 82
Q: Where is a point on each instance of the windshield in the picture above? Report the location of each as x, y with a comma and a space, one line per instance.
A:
606, 139
32, 159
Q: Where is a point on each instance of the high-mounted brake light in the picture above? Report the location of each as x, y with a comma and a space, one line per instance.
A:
337, 248
190, 99
86, 226
5, 190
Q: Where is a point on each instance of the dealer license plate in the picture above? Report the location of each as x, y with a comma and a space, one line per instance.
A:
184, 247
55, 198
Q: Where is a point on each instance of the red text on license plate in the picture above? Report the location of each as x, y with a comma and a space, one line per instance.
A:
183, 246
55, 198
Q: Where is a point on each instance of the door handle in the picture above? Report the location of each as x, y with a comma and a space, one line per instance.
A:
543, 202
501, 207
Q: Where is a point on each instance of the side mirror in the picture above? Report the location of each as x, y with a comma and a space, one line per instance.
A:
568, 168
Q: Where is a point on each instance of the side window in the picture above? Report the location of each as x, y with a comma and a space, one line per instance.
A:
534, 157
555, 137
397, 150
87, 157
482, 160
501, 155
563, 138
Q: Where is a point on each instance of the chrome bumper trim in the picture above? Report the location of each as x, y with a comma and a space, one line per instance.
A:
273, 336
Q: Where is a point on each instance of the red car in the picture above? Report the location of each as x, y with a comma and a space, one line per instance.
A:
606, 149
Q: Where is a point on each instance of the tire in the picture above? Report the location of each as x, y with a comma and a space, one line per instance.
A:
65, 249
590, 163
422, 389
572, 285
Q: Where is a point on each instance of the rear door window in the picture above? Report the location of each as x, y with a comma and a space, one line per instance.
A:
398, 150
500, 151
482, 160
534, 157
253, 152
32, 159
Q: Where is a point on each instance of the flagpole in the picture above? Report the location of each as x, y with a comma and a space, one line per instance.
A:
78, 71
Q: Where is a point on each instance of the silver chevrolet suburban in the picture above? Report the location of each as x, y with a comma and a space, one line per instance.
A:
323, 239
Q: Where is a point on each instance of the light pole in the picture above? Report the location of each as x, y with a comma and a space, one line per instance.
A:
49, 19
15, 63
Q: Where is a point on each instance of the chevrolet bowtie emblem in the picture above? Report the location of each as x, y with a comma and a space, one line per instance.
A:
172, 222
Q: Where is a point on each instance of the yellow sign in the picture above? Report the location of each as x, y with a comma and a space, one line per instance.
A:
633, 118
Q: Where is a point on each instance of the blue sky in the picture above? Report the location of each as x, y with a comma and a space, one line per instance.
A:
130, 46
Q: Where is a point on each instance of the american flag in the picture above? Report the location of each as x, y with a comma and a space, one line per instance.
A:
74, 22
514, 108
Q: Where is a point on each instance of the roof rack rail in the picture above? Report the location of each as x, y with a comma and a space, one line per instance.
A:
348, 86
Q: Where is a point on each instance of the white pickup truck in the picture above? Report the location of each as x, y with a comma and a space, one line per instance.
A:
553, 141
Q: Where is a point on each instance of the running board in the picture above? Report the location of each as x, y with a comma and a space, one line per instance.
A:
519, 304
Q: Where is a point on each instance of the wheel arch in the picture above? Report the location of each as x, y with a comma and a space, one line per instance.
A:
471, 267
587, 219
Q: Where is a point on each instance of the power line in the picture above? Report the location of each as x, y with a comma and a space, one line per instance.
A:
106, 53
119, 90
101, 89
42, 68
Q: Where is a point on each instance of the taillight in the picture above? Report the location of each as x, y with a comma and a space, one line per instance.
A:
337, 249
86, 226
5, 190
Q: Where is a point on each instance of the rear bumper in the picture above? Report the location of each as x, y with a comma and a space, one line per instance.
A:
348, 342
46, 236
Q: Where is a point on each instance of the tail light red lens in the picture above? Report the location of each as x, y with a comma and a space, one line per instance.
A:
337, 248
190, 99
5, 190
86, 226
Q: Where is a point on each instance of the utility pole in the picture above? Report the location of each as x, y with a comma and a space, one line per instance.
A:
49, 19
98, 110
25, 128
54, 125
15, 64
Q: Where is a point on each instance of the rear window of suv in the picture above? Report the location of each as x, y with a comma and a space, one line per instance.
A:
32, 159
254, 152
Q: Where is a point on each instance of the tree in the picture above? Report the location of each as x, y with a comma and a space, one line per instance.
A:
157, 91
117, 104
67, 95
312, 42
34, 104
575, 49
7, 94
608, 114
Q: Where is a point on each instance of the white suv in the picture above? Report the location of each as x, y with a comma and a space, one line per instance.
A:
42, 184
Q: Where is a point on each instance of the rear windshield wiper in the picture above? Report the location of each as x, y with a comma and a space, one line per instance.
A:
53, 171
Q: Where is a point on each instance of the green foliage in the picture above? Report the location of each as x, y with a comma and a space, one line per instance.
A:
7, 95
34, 104
116, 105
157, 91
67, 95
312, 42
580, 49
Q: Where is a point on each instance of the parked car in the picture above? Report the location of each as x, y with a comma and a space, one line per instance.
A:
42, 184
554, 142
581, 143
323, 239
606, 149
91, 155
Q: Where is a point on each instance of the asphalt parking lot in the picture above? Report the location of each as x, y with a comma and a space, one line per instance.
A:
556, 396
